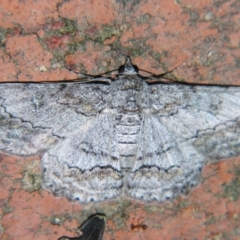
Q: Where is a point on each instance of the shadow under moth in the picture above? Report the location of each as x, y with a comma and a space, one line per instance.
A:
123, 136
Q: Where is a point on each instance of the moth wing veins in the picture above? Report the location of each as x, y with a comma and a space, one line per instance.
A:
188, 127
85, 166
162, 169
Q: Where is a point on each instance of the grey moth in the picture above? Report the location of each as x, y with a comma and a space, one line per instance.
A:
124, 136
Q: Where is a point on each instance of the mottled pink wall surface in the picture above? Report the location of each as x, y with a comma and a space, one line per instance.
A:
199, 39
41, 40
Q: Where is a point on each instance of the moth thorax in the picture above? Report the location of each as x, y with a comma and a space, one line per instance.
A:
127, 83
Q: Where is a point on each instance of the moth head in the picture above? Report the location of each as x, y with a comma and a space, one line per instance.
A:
128, 67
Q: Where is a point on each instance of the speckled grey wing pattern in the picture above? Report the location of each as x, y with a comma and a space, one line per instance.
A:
77, 125
65, 119
197, 113
186, 126
87, 161
40, 114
